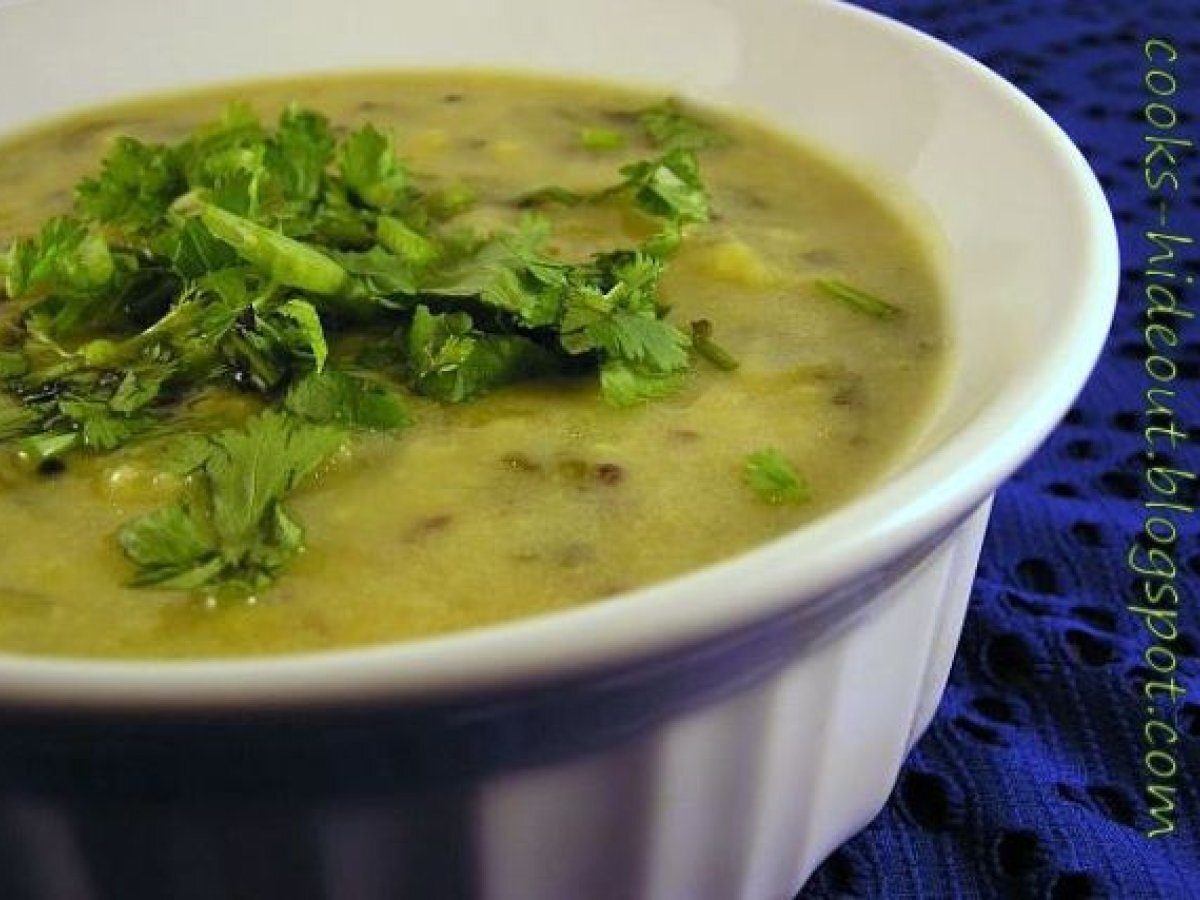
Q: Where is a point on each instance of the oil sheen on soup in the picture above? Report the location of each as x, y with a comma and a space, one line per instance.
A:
539, 495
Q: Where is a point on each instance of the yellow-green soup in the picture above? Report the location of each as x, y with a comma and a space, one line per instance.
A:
535, 497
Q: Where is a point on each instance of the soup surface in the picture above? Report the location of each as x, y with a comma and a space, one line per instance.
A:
538, 495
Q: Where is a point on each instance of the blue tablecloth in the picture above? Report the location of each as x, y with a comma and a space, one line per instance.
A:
1035, 779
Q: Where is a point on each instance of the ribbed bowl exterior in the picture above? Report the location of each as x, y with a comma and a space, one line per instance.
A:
726, 771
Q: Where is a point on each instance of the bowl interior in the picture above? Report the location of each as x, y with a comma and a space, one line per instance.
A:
1028, 244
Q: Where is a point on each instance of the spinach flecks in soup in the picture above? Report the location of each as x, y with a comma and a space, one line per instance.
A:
428, 352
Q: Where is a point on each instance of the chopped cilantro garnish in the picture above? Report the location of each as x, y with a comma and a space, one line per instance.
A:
372, 171
668, 187
249, 256
339, 398
773, 478
277, 256
230, 534
135, 187
671, 126
65, 257
12, 364
601, 140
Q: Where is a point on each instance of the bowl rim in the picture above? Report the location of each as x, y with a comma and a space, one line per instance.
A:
885, 523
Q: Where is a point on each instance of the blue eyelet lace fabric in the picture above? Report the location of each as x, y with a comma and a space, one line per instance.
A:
1032, 779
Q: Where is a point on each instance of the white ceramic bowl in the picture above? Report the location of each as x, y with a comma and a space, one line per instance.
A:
714, 737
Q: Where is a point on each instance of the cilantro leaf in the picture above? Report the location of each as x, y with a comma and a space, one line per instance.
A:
193, 250
13, 364
511, 273
174, 548
255, 467
138, 389
377, 272
273, 177
669, 186
48, 445
773, 478
99, 426
671, 126
136, 185
612, 308
231, 535
624, 384
217, 151
308, 326
337, 223
300, 152
648, 343
338, 398
15, 419
372, 171
97, 410
452, 361
65, 256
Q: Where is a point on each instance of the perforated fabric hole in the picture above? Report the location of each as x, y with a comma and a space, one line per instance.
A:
1115, 802
1063, 490
1096, 616
1034, 607
1072, 886
929, 800
1007, 659
1037, 575
1088, 649
1017, 853
979, 731
1132, 351
1123, 485
995, 708
1081, 449
1088, 533
1127, 421
839, 872
1072, 793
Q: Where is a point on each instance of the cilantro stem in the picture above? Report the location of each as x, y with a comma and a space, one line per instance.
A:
856, 298
704, 345
601, 140
285, 260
